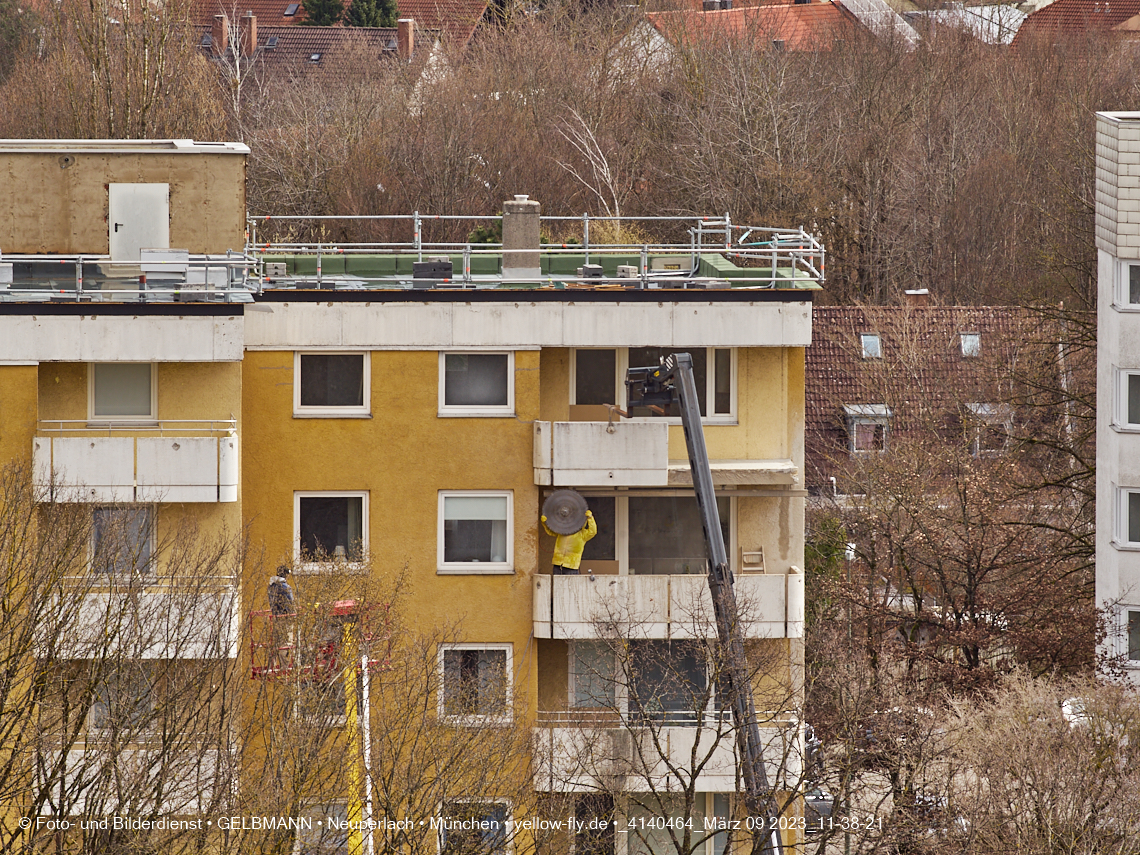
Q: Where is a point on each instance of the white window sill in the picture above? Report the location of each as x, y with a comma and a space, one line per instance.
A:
331, 414
1124, 546
475, 569
722, 421
477, 720
476, 414
1126, 307
121, 422
1125, 428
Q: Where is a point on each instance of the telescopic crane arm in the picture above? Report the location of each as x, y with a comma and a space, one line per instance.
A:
659, 386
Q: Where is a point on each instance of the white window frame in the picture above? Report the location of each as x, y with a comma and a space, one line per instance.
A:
499, 718
1120, 535
364, 411
333, 565
478, 411
621, 527
868, 414
867, 354
1120, 292
983, 415
621, 392
152, 524
1120, 421
1122, 611
476, 568
152, 418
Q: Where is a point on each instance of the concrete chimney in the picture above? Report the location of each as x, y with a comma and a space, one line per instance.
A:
248, 34
220, 35
405, 38
521, 240
918, 297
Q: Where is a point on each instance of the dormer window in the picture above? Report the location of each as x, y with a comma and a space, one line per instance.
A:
868, 427
971, 344
292, 9
988, 428
314, 57
872, 346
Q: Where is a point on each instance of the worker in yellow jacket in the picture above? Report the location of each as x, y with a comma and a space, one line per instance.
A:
568, 548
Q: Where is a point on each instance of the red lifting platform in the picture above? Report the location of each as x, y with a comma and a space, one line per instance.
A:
298, 644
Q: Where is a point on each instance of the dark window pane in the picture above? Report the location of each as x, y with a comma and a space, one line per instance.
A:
595, 373
667, 677
475, 380
122, 389
488, 837
1134, 283
474, 682
595, 834
594, 671
666, 536
603, 545
1134, 517
723, 382
640, 357
332, 381
1134, 635
1134, 399
332, 526
475, 528
122, 540
870, 436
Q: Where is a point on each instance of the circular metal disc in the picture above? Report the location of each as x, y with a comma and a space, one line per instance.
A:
565, 511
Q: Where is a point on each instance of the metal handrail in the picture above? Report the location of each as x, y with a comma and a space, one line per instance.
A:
163, 427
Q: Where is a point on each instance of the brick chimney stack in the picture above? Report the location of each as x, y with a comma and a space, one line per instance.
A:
405, 38
918, 297
248, 34
220, 35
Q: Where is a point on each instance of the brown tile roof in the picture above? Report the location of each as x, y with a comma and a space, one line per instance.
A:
455, 19
269, 13
922, 375
800, 26
293, 50
1068, 17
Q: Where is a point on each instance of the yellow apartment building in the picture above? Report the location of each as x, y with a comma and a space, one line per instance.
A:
359, 416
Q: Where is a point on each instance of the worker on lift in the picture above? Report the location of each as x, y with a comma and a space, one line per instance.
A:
568, 548
281, 607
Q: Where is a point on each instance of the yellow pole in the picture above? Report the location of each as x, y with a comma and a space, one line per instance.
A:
351, 731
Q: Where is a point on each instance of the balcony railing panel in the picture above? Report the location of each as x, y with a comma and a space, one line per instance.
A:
601, 454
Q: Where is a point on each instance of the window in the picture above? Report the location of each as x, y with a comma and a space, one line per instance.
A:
1128, 285
123, 699
872, 347
122, 540
121, 391
476, 680
1127, 414
868, 426
475, 532
971, 344
592, 675
595, 834
474, 828
322, 837
314, 57
666, 536
291, 9
476, 384
599, 378
988, 427
331, 526
331, 385
668, 680
1128, 526
1132, 630
323, 702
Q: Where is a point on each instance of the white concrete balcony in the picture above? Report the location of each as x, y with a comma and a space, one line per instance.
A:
579, 751
600, 454
578, 607
164, 461
146, 618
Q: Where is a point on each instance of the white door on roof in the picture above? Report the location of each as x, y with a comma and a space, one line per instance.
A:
138, 217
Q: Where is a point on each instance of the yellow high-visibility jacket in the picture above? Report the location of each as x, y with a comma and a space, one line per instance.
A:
568, 547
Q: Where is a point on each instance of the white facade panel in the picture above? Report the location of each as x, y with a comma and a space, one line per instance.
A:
120, 338
526, 325
229, 468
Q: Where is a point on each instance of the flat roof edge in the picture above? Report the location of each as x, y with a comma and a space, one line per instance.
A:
527, 295
32, 146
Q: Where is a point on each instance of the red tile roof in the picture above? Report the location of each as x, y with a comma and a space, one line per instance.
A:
922, 375
455, 19
1067, 17
269, 13
299, 50
800, 26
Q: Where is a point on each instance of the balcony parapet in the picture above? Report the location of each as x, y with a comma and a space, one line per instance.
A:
160, 461
584, 607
